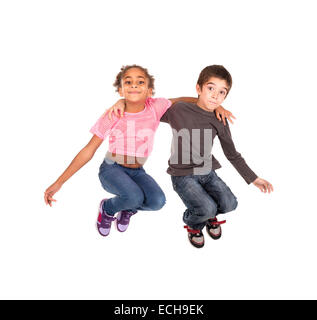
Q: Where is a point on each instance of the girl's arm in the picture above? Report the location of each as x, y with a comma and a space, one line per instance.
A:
79, 161
221, 113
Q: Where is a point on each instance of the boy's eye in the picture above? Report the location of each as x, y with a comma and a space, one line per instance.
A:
222, 93
211, 88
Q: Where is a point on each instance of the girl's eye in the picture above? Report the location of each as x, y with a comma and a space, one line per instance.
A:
127, 82
141, 82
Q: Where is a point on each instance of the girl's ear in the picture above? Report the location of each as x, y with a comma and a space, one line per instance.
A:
198, 90
150, 93
120, 91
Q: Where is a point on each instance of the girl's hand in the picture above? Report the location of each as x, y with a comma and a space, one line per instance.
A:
220, 111
263, 185
50, 191
117, 108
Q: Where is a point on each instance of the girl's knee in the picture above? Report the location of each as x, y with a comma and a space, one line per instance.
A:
133, 199
156, 202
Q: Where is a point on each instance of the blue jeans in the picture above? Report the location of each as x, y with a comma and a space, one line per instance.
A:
134, 188
204, 196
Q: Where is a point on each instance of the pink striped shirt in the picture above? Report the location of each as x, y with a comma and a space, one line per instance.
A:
133, 134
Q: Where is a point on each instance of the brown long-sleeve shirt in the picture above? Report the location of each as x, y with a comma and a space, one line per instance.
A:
194, 130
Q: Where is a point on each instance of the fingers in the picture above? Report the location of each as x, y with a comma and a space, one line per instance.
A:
265, 187
270, 188
110, 114
223, 116
262, 188
48, 199
118, 112
231, 116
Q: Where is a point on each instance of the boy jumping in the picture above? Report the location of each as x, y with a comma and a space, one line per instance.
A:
191, 165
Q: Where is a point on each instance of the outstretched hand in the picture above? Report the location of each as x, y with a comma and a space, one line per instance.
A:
263, 185
50, 191
117, 109
222, 114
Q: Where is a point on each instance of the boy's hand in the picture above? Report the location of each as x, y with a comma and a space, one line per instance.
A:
50, 191
222, 114
117, 108
263, 185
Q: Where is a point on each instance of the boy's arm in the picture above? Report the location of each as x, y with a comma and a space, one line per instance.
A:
238, 162
233, 155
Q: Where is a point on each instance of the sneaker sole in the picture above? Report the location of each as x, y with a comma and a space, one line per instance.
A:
116, 223
196, 245
214, 237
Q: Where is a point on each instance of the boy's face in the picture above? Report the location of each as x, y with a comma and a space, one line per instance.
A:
134, 86
212, 93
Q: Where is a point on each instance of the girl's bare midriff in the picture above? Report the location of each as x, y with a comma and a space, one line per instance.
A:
126, 161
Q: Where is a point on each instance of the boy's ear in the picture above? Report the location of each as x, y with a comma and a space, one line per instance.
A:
198, 90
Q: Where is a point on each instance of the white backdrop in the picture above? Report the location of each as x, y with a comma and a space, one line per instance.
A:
58, 61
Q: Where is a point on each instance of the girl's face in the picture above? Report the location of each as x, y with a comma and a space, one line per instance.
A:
212, 94
134, 86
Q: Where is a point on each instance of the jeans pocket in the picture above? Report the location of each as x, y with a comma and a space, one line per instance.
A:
177, 182
108, 161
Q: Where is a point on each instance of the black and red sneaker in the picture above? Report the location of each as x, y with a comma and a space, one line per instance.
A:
195, 237
213, 228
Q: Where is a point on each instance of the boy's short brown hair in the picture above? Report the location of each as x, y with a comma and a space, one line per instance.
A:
123, 71
217, 71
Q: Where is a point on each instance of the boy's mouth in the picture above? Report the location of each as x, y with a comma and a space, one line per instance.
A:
134, 92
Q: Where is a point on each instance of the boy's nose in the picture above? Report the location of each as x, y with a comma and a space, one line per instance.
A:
214, 94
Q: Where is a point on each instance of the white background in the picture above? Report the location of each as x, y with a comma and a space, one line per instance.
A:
58, 61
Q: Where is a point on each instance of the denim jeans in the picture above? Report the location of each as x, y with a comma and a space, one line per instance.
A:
134, 188
205, 196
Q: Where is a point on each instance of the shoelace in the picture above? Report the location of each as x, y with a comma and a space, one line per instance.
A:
108, 219
216, 223
126, 215
192, 230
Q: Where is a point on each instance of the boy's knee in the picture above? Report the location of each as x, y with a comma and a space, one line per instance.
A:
208, 212
230, 203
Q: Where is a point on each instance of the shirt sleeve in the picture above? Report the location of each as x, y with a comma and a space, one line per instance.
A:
161, 105
233, 155
164, 117
103, 126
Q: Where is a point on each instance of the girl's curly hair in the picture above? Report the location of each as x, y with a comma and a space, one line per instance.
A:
123, 71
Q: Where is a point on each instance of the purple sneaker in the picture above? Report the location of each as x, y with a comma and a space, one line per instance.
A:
104, 221
123, 219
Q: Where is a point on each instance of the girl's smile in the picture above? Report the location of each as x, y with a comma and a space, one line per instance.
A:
134, 86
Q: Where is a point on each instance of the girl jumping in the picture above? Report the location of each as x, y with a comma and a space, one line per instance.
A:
130, 143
